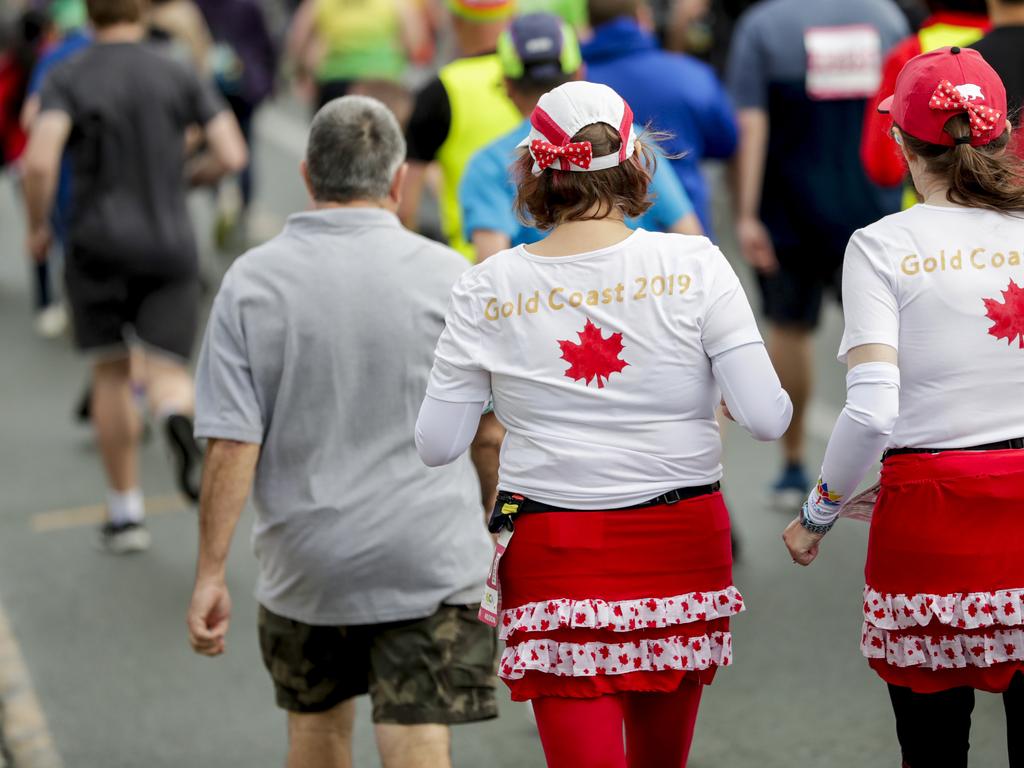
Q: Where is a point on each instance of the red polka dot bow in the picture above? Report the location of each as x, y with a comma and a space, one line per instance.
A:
948, 99
545, 153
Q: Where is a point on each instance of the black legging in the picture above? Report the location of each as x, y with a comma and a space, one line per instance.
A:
934, 728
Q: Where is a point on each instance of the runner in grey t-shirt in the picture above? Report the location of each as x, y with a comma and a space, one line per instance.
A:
314, 364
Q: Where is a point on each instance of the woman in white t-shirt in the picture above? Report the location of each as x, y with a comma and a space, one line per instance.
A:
604, 350
938, 290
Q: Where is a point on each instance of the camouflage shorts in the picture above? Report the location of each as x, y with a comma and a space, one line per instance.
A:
440, 669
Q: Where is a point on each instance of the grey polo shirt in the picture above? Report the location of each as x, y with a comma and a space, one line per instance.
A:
318, 348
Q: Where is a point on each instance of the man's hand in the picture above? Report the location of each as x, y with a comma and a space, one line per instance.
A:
39, 241
756, 245
802, 544
209, 616
227, 477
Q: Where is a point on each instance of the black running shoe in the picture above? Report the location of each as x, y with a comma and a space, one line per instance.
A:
188, 456
124, 538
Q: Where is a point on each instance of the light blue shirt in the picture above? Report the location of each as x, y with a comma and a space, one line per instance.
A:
487, 193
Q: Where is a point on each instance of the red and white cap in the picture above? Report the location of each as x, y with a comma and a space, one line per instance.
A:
562, 113
934, 86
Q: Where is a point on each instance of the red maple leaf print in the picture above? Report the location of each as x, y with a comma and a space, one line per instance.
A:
1007, 316
594, 357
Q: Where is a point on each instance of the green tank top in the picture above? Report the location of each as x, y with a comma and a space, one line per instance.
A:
361, 39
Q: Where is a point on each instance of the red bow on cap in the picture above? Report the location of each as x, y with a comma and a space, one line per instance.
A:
983, 119
545, 153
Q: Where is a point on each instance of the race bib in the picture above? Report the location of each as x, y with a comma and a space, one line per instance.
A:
490, 603
843, 62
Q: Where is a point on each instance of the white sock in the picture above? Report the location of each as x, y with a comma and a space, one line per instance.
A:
125, 507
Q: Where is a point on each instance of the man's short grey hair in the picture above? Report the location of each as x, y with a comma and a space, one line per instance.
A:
355, 149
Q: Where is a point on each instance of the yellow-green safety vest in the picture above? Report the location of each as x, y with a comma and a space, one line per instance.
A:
932, 37
481, 112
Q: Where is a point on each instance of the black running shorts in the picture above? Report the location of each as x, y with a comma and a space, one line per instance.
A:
110, 309
793, 295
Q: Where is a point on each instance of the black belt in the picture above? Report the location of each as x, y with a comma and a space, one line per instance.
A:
1016, 443
511, 504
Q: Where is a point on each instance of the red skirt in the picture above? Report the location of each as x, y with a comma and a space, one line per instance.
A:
629, 600
944, 599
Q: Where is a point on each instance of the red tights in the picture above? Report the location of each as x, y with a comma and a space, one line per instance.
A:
587, 733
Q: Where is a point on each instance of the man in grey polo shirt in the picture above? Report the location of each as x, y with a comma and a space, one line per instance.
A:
314, 364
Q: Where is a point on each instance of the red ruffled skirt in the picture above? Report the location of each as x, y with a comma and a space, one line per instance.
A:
944, 599
629, 600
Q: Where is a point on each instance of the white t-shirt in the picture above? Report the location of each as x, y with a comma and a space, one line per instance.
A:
598, 364
945, 287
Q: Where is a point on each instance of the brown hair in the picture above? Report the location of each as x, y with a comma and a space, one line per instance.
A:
555, 196
106, 13
979, 177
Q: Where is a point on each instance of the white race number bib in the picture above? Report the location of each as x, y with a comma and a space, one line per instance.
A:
843, 62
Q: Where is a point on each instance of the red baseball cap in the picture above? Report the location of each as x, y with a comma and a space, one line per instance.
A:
934, 86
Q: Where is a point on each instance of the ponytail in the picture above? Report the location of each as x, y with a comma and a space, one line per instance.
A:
979, 177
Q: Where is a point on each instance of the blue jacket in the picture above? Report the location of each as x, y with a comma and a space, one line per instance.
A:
673, 92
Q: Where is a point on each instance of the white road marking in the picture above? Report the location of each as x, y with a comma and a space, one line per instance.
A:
26, 733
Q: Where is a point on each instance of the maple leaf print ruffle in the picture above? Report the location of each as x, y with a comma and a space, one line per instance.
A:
970, 610
621, 615
687, 654
936, 632
954, 651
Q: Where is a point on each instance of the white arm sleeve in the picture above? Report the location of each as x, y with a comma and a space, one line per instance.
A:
859, 437
752, 391
445, 430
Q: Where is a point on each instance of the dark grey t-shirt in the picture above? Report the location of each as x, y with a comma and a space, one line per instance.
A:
318, 348
812, 65
129, 105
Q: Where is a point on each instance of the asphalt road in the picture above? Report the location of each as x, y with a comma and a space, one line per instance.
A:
96, 651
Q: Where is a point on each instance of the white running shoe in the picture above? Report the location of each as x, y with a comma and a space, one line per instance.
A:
124, 538
52, 321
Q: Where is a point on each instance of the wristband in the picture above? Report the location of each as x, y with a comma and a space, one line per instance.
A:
816, 528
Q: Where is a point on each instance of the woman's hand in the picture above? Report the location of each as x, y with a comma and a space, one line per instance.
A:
802, 544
